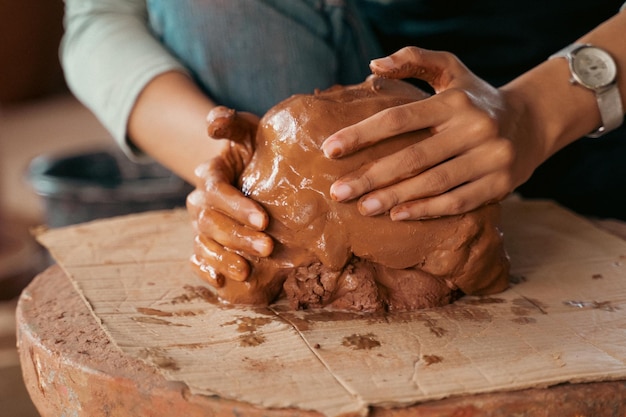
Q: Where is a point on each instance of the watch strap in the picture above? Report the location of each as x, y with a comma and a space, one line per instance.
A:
611, 111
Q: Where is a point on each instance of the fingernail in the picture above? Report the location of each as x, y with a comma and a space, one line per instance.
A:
340, 192
371, 206
256, 220
218, 112
332, 149
400, 215
384, 63
260, 246
224, 111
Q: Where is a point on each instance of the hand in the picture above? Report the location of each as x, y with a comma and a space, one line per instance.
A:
478, 153
228, 225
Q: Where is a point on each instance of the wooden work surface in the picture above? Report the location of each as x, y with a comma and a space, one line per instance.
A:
562, 324
72, 369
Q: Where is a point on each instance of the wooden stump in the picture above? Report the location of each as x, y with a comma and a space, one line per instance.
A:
71, 368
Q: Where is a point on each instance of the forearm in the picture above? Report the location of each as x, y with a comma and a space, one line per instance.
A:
168, 122
556, 111
109, 55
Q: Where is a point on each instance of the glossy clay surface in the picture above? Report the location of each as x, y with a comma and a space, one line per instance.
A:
326, 253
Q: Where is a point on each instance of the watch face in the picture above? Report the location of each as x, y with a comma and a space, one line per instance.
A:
593, 67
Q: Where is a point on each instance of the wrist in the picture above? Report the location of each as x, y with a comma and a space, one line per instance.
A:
553, 111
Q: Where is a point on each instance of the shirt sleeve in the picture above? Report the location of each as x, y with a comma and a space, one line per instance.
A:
108, 55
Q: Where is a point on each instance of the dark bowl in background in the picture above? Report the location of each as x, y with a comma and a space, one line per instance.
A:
77, 188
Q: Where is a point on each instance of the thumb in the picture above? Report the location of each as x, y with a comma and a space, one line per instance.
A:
442, 70
226, 123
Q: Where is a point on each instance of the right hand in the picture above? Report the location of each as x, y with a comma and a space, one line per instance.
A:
228, 226
481, 147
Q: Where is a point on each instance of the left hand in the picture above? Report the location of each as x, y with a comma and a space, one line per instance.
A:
228, 226
480, 150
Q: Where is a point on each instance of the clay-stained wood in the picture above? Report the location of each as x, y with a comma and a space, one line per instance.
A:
71, 368
562, 320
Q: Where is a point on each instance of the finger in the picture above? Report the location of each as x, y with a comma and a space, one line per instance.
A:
225, 123
230, 200
385, 124
469, 165
206, 272
394, 168
438, 68
221, 195
232, 235
460, 200
218, 261
430, 183
403, 164
195, 203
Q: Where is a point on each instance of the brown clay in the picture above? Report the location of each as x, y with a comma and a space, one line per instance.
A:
326, 252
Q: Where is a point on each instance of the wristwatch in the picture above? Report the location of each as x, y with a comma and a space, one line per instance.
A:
595, 69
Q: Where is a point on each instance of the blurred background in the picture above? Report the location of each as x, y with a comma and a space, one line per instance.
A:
33, 100
38, 116
58, 166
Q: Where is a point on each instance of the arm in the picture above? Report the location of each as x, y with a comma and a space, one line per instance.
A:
168, 122
147, 100
109, 56
485, 141
564, 112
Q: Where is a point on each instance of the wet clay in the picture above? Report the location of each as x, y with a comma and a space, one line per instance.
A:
326, 253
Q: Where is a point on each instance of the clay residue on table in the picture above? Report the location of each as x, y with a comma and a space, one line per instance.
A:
361, 341
326, 253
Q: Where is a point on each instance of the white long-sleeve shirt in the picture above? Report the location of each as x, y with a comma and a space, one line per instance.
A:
105, 77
